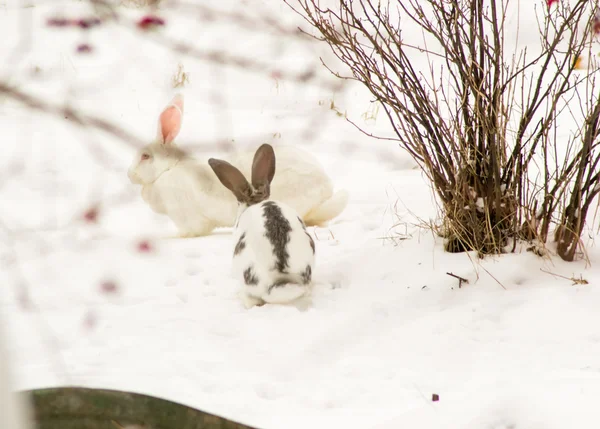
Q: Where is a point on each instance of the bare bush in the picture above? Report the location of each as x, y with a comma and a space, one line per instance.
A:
476, 117
582, 182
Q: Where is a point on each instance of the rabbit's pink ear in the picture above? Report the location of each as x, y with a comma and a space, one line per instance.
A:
169, 122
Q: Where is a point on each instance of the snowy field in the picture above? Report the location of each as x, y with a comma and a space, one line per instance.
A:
517, 347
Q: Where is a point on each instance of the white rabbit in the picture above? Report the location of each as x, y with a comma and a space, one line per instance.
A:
274, 254
187, 190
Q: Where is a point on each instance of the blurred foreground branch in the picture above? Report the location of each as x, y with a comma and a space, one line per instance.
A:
76, 117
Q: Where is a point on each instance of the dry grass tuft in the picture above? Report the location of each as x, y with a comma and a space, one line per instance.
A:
180, 78
138, 4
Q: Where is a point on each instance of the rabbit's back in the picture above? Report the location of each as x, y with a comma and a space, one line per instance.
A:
275, 241
300, 180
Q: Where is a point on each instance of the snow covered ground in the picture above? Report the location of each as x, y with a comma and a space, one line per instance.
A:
517, 347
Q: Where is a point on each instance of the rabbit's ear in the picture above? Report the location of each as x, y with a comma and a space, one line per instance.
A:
232, 179
263, 166
169, 122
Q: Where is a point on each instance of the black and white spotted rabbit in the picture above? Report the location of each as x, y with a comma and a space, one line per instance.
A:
274, 254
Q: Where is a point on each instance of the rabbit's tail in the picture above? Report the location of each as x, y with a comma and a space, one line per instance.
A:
281, 293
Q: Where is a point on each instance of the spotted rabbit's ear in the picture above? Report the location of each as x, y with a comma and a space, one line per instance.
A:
263, 167
169, 121
232, 179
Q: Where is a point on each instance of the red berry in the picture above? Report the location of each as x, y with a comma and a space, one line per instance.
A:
58, 22
144, 246
109, 287
91, 215
84, 48
150, 21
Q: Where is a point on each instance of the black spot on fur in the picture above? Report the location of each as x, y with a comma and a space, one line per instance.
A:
312, 242
241, 244
278, 283
249, 277
278, 230
307, 275
302, 223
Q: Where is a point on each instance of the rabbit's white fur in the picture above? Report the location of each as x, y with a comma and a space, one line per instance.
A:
274, 254
258, 254
186, 189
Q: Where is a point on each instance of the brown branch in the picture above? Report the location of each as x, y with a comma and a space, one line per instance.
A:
73, 115
461, 280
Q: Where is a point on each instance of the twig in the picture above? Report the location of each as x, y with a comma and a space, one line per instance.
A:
576, 281
117, 424
331, 233
461, 280
492, 276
